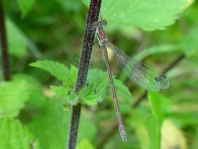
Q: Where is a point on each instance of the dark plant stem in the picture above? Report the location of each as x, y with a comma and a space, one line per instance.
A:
88, 41
3, 40
74, 126
135, 104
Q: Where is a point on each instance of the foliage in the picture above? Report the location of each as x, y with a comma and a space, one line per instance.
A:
12, 132
96, 80
33, 116
149, 15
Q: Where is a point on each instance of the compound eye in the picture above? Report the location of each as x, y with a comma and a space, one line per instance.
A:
104, 22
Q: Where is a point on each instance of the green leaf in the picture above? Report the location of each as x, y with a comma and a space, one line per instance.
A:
52, 121
148, 15
189, 44
160, 49
86, 123
70, 5
93, 92
56, 69
85, 144
25, 6
51, 126
15, 136
34, 87
12, 97
119, 85
185, 118
148, 133
160, 105
96, 88
151, 125
61, 91
17, 44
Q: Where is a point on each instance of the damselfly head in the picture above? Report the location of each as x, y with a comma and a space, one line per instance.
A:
104, 22
95, 25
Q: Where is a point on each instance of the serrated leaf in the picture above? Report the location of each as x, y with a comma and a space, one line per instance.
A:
12, 97
25, 6
148, 15
15, 136
17, 43
61, 91
56, 69
94, 91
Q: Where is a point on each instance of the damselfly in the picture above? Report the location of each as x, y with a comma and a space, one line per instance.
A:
138, 72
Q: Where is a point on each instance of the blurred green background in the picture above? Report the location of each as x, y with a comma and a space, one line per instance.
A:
53, 30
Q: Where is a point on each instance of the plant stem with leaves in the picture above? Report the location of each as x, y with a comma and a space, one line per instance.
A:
88, 41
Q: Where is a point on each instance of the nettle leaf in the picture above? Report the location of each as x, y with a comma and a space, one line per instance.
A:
60, 90
96, 88
12, 97
25, 6
52, 125
94, 91
148, 15
15, 136
34, 87
55, 68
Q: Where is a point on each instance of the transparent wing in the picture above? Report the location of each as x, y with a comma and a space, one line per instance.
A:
138, 72
96, 83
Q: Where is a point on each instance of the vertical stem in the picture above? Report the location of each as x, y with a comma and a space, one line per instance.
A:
74, 126
3, 43
88, 41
